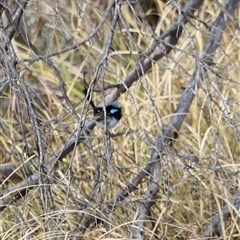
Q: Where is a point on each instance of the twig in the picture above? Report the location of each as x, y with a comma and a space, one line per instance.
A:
175, 123
168, 39
215, 227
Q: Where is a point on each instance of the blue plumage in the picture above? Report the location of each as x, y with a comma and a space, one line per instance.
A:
106, 117
113, 115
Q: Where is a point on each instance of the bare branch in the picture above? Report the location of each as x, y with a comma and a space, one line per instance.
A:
215, 227
15, 17
179, 116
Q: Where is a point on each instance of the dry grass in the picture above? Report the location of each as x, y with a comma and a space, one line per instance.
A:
191, 192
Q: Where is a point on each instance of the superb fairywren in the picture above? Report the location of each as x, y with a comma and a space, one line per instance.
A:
113, 113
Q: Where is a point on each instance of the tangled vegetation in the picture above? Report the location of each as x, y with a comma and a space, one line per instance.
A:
169, 169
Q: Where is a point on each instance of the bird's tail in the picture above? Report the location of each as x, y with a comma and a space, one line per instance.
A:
88, 96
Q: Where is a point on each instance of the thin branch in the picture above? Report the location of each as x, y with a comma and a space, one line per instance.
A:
175, 123
215, 227
16, 16
168, 40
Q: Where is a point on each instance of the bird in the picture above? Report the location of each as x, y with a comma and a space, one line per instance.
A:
107, 116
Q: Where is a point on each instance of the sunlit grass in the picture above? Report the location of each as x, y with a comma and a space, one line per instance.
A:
189, 194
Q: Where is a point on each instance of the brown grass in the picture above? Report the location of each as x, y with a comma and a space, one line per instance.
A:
191, 192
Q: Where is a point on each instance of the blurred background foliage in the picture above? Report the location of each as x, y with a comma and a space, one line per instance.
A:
72, 34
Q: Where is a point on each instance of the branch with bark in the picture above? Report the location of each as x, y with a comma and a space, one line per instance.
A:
162, 46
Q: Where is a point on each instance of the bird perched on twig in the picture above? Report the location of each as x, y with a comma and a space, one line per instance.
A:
105, 117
